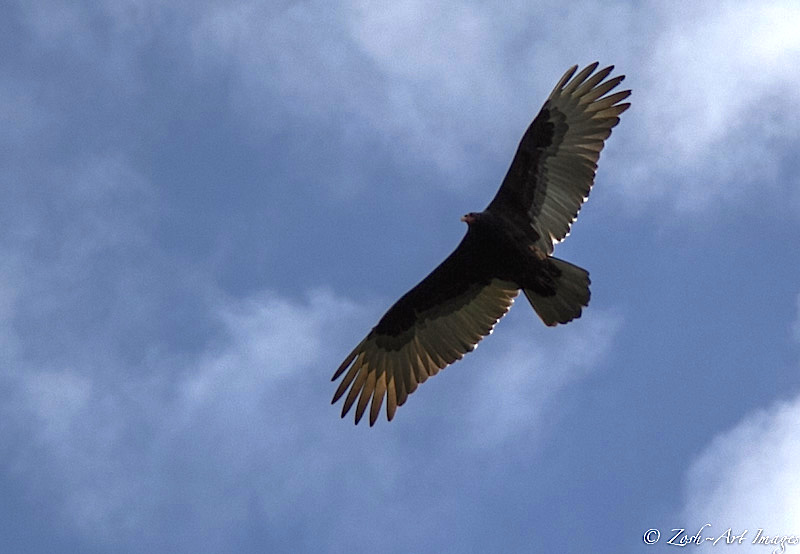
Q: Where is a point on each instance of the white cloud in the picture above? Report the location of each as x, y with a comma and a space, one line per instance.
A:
116, 454
440, 81
720, 61
66, 307
747, 477
533, 366
715, 101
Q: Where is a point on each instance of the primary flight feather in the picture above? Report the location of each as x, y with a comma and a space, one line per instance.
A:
508, 247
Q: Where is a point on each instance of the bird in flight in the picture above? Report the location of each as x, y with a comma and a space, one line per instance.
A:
508, 247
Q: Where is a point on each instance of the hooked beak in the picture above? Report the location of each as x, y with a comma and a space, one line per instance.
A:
469, 218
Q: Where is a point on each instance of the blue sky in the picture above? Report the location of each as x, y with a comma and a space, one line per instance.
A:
204, 206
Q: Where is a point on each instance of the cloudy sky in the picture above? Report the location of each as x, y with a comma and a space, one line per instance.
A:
205, 205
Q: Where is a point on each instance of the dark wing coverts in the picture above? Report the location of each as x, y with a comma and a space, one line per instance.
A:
554, 167
429, 328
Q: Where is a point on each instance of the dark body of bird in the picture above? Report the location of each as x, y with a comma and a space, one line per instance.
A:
493, 248
508, 247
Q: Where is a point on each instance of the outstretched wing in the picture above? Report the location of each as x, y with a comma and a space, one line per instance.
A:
429, 328
554, 167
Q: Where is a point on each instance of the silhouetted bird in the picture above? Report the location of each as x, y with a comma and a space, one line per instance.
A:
507, 247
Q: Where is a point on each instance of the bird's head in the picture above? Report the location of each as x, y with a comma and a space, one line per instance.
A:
470, 218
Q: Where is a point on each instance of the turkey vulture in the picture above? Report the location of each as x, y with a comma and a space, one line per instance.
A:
508, 247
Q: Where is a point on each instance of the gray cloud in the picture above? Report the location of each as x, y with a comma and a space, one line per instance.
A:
439, 82
456, 80
445, 83
244, 435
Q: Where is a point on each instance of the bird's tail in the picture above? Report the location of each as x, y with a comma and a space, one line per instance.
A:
572, 294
